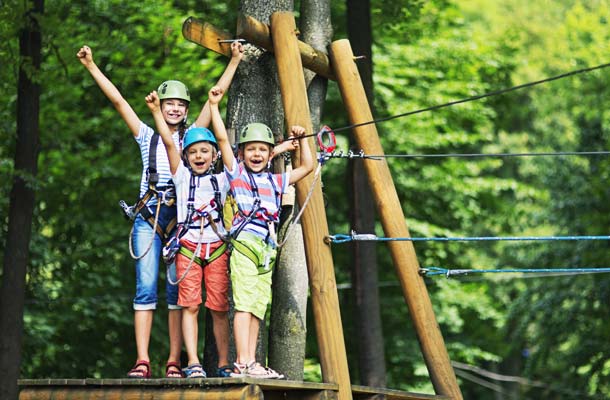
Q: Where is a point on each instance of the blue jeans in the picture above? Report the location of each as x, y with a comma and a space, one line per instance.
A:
147, 268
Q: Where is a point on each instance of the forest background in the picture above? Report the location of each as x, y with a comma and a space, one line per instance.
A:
550, 330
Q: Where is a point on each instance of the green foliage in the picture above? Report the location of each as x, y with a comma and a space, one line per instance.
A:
551, 330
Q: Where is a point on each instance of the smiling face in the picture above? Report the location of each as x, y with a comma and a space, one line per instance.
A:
174, 111
255, 155
200, 156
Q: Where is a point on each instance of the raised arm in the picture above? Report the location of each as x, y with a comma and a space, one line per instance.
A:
287, 145
218, 127
237, 51
306, 158
85, 56
173, 155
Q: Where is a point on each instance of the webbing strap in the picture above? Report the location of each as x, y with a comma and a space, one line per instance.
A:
203, 262
151, 174
245, 250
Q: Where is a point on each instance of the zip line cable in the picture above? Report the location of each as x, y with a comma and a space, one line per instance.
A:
369, 237
477, 97
351, 154
434, 271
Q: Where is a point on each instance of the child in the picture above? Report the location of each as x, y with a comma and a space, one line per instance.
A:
200, 194
152, 211
258, 195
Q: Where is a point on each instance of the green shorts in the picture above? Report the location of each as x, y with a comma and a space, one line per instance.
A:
251, 280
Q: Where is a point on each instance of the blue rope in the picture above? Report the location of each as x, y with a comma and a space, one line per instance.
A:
433, 271
372, 237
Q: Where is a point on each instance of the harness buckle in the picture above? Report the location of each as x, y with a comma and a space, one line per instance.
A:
167, 196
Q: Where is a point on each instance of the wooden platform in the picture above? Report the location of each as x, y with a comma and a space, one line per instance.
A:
199, 389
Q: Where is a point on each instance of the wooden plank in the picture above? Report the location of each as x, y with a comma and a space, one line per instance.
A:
247, 392
184, 389
370, 393
265, 384
322, 281
393, 221
207, 35
301, 395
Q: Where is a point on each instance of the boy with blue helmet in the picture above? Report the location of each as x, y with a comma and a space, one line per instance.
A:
202, 255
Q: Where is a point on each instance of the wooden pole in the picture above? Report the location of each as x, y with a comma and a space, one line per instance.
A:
324, 297
393, 221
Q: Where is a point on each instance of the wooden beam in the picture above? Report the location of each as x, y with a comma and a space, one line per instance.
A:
207, 35
259, 34
394, 224
255, 32
324, 296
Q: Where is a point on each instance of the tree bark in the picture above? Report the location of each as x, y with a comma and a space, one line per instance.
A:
371, 357
21, 209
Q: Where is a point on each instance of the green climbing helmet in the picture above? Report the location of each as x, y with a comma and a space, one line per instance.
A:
173, 90
256, 132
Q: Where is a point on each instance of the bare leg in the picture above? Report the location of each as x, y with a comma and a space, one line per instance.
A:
142, 321
221, 334
174, 320
190, 331
241, 331
254, 327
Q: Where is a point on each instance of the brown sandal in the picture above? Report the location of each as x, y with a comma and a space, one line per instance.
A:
175, 373
137, 372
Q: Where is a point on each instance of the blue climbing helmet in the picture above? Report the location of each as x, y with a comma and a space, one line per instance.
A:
196, 135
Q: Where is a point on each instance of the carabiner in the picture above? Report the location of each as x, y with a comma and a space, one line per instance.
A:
331, 139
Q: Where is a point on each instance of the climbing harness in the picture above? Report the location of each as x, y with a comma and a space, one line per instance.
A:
256, 213
165, 195
203, 214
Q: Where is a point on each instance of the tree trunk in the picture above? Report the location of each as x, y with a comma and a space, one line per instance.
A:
16, 253
371, 358
288, 329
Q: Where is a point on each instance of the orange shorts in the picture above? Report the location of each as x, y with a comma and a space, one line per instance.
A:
214, 275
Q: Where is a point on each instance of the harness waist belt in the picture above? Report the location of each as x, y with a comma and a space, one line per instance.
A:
203, 262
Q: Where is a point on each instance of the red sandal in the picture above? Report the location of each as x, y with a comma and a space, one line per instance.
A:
173, 373
137, 372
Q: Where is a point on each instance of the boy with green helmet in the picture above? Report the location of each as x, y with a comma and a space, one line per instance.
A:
258, 194
147, 241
